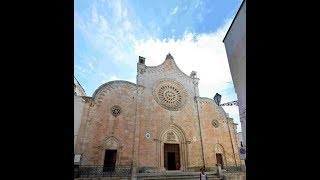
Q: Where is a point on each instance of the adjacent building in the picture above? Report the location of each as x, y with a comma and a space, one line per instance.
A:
235, 44
242, 149
79, 95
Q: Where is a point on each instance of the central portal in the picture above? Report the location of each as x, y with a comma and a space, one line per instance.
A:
171, 156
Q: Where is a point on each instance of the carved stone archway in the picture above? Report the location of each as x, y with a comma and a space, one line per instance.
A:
110, 143
172, 134
218, 149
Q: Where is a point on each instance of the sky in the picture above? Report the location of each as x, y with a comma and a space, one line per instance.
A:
110, 35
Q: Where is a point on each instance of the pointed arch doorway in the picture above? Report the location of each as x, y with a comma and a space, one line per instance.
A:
220, 155
172, 150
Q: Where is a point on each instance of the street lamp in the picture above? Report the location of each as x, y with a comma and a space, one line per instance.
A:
217, 99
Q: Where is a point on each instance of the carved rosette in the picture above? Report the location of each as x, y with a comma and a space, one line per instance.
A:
115, 110
215, 123
170, 94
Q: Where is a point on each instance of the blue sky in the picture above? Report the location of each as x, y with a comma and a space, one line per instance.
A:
109, 35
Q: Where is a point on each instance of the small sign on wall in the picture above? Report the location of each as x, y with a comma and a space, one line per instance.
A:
77, 158
242, 152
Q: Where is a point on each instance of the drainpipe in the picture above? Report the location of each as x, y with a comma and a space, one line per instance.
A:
195, 98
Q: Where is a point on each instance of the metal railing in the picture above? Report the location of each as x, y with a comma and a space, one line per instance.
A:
101, 171
240, 168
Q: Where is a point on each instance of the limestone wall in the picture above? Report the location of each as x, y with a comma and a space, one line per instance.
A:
104, 130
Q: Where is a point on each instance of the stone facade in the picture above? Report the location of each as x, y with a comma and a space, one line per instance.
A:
163, 109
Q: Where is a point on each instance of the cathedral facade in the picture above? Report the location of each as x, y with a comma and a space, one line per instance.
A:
158, 124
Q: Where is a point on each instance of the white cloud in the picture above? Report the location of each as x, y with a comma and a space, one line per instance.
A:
91, 66
185, 8
80, 69
197, 4
133, 80
127, 25
94, 14
106, 78
109, 30
232, 110
114, 78
154, 28
103, 75
200, 18
117, 9
174, 11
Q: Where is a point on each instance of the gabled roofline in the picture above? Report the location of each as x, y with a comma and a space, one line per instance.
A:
175, 64
233, 20
111, 83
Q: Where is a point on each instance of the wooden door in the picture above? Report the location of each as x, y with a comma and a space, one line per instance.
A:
171, 157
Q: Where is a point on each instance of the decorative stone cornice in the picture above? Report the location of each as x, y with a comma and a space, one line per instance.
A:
204, 100
169, 65
113, 85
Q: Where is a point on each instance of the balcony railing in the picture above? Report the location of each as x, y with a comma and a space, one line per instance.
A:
101, 171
